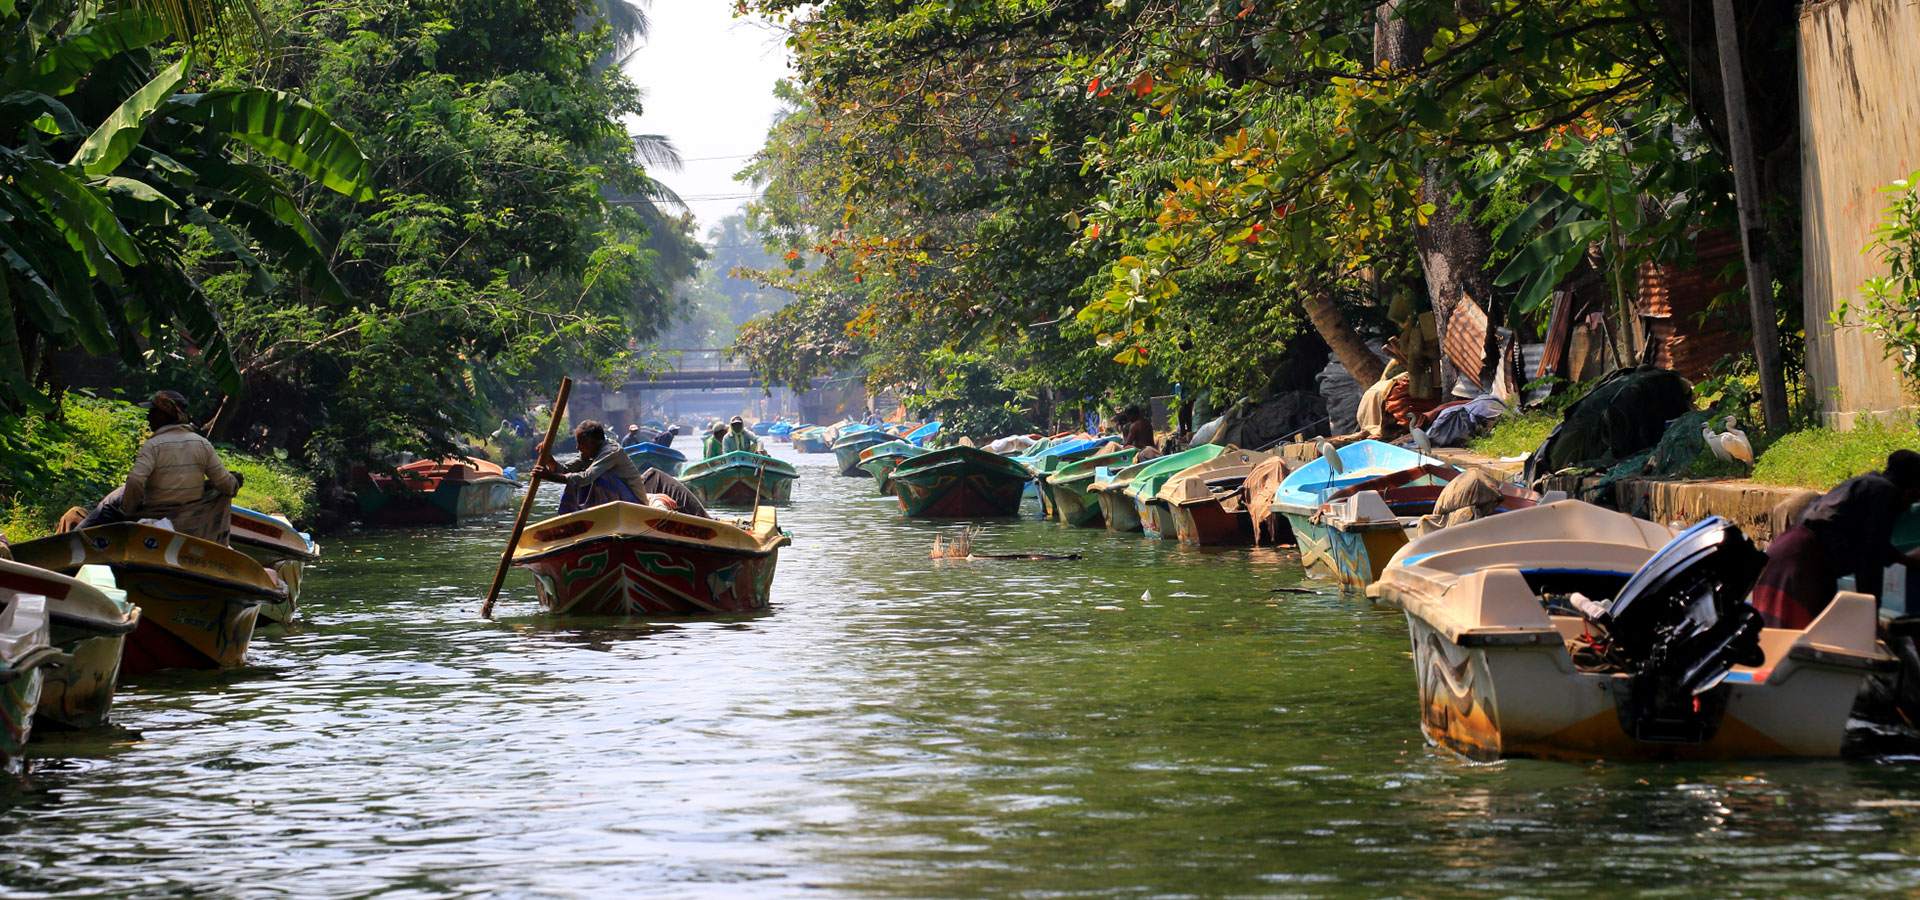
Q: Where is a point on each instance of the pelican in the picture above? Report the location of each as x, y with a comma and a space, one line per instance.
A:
1735, 442
1714, 444
1332, 457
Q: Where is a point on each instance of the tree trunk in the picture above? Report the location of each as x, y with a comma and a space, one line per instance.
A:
1348, 346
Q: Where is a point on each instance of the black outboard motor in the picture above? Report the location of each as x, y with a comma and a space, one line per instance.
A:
1681, 624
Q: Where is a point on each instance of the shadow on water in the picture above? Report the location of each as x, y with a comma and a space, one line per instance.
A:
1150, 720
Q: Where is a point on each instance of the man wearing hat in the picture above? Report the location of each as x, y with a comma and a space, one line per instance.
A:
1848, 531
665, 438
739, 438
177, 476
632, 438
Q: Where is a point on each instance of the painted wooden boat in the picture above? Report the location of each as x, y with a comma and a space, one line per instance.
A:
960, 483
923, 434
1072, 484
1300, 495
809, 439
26, 653
273, 542
198, 600
1497, 677
1156, 519
741, 478
90, 619
624, 559
1109, 489
1367, 523
1205, 502
653, 456
434, 492
1057, 456
852, 442
879, 460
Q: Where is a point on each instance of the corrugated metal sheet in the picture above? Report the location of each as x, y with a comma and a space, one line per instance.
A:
1673, 303
1466, 340
1859, 131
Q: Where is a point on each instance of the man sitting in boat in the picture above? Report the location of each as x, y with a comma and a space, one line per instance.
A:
177, 476
1848, 531
665, 438
710, 445
605, 473
739, 438
633, 437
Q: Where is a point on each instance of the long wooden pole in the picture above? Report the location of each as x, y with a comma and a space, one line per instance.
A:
526, 505
1753, 229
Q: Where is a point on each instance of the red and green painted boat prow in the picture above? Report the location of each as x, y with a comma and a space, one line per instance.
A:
880, 459
434, 492
198, 600
960, 483
1074, 500
624, 559
740, 478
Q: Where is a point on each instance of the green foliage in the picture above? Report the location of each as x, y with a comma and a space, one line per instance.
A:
1820, 458
1515, 433
273, 486
966, 393
1891, 306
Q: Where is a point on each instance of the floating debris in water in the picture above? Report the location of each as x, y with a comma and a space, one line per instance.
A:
961, 547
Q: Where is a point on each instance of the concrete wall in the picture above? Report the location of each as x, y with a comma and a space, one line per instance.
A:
1859, 131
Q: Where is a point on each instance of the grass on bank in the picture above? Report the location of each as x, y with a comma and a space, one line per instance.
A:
47, 467
1515, 433
1820, 458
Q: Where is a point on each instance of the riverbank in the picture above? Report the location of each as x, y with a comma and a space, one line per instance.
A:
47, 467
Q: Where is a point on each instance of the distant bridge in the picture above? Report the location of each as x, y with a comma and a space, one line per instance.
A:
704, 369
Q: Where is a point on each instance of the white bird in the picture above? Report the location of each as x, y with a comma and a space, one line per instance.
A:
1332, 457
1735, 442
1421, 442
1713, 443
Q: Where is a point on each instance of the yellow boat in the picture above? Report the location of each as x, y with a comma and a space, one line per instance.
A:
273, 542
90, 619
198, 600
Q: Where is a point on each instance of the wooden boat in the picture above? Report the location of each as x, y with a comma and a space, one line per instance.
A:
198, 600
1109, 489
650, 455
811, 439
1367, 523
1056, 456
1156, 519
26, 653
434, 492
852, 442
921, 435
782, 431
879, 460
1495, 627
273, 542
741, 478
1074, 500
621, 558
1205, 502
960, 483
1300, 495
90, 618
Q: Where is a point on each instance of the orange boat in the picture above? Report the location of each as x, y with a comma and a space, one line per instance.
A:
433, 492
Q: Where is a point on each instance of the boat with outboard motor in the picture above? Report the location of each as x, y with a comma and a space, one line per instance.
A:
880, 459
625, 559
741, 478
1571, 631
198, 600
1156, 519
1301, 493
650, 455
1075, 502
90, 619
960, 482
1368, 522
434, 492
1205, 502
274, 543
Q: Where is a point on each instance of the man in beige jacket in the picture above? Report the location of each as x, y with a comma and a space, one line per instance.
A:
176, 476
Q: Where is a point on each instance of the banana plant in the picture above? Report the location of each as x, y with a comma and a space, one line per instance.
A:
106, 159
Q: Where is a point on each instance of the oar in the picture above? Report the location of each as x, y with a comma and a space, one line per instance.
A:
526, 505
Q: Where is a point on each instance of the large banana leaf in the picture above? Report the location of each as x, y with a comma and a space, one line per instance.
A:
286, 128
181, 301
247, 197
22, 108
108, 145
13, 365
61, 65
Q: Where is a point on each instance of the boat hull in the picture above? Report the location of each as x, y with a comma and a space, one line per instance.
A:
1208, 523
879, 468
273, 542
741, 487
811, 445
1314, 543
449, 502
199, 601
19, 698
960, 483
1118, 510
1358, 557
1156, 518
79, 694
647, 459
1078, 506
622, 559
846, 453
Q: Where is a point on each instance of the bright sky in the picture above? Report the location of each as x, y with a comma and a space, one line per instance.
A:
709, 82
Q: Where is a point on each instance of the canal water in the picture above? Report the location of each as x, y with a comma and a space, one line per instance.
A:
1148, 721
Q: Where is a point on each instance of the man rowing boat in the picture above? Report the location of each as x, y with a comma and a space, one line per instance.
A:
605, 473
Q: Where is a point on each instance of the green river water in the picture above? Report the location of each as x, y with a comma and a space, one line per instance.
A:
1149, 721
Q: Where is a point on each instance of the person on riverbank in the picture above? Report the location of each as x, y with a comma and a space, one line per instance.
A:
1848, 531
177, 476
1136, 430
605, 473
738, 438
